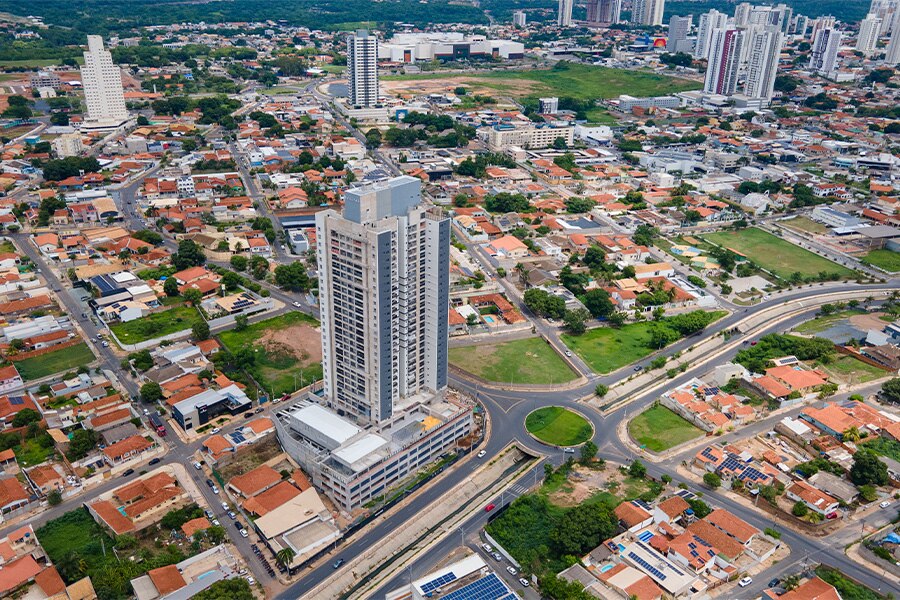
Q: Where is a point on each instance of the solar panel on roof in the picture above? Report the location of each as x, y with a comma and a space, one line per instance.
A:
438, 582
17, 401
486, 588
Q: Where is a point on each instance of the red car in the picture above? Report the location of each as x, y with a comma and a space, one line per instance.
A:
490, 507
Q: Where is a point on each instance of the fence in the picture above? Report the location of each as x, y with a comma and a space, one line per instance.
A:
42, 351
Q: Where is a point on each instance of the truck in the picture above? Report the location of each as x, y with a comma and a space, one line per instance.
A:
157, 424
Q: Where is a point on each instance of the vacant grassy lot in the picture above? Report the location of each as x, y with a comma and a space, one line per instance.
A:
38, 62
155, 325
605, 349
30, 452
58, 361
820, 324
806, 224
775, 254
558, 426
529, 361
584, 82
287, 351
659, 429
847, 369
883, 259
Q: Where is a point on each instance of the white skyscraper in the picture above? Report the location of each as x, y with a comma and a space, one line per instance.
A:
648, 12
384, 291
742, 14
823, 58
677, 40
564, 16
103, 94
519, 18
886, 10
604, 11
869, 30
892, 52
724, 62
821, 23
764, 48
362, 69
709, 22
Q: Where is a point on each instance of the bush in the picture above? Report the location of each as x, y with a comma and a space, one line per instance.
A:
772, 533
601, 390
800, 509
712, 480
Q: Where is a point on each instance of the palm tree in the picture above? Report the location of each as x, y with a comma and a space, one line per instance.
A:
524, 273
852, 435
285, 557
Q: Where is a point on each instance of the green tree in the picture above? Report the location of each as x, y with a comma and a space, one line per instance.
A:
588, 452
82, 442
583, 528
601, 390
285, 557
868, 469
170, 287
189, 254
890, 390
193, 295
151, 392
598, 303
292, 277
712, 480
200, 330
54, 498
575, 320
26, 416
239, 262
241, 322
799, 509
637, 470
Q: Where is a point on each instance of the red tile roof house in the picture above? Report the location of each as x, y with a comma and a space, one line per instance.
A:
254, 482
10, 380
814, 498
128, 448
13, 495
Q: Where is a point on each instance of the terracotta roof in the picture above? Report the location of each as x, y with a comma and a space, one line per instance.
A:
673, 506
195, 525
167, 579
271, 499
255, 481
129, 445
18, 572
115, 520
631, 514
733, 525
50, 582
814, 589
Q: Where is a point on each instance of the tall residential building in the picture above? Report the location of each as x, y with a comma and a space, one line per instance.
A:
564, 16
823, 58
801, 24
102, 82
820, 23
677, 40
886, 10
519, 18
724, 62
648, 12
742, 14
770, 16
869, 30
362, 69
384, 291
607, 12
892, 52
764, 47
709, 22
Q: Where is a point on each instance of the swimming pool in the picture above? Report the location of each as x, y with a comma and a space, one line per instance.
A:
489, 319
605, 568
621, 548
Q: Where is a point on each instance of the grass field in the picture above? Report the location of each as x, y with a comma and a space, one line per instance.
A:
806, 224
39, 62
659, 429
30, 453
847, 369
287, 350
155, 325
820, 324
883, 259
605, 349
528, 361
584, 82
558, 426
775, 254
58, 361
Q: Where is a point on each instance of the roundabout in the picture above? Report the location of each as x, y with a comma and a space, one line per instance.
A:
558, 426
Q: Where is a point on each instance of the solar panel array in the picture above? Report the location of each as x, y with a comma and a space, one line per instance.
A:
486, 588
17, 400
437, 583
647, 566
645, 536
671, 566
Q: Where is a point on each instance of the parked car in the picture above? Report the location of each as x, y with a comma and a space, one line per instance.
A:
250, 579
155, 461
244, 533
215, 522
105, 344
209, 482
524, 582
232, 515
128, 472
487, 548
774, 583
497, 556
225, 506
885, 504
511, 570
482, 454
248, 415
259, 410
215, 490
745, 581
196, 465
209, 514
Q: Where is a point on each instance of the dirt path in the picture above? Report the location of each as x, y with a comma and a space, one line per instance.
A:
300, 341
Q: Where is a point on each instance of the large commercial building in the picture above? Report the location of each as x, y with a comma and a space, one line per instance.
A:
209, 404
504, 136
362, 69
564, 14
384, 278
724, 62
709, 23
429, 46
605, 12
45, 79
823, 58
763, 50
103, 93
384, 289
869, 30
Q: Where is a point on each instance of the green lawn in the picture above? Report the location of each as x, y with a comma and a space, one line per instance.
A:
775, 254
820, 324
30, 453
847, 588
659, 429
558, 426
850, 370
600, 116
883, 259
36, 62
156, 325
584, 82
278, 366
58, 361
606, 349
806, 224
528, 361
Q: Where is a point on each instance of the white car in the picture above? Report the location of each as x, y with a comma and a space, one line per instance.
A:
215, 490
105, 344
569, 450
482, 454
197, 465
244, 533
511, 570
524, 582
250, 579
225, 506
216, 522
215, 430
296, 304
745, 581
885, 504
568, 353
